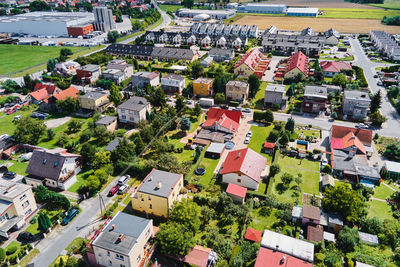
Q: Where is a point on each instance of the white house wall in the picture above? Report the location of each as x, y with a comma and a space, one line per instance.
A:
245, 180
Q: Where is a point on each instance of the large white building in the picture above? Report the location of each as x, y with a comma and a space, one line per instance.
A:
44, 23
104, 20
214, 14
262, 8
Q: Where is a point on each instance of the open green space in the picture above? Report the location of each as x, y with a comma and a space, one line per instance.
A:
209, 165
258, 101
308, 132
260, 222
357, 13
15, 166
80, 180
34, 227
19, 57
389, 4
172, 8
6, 121
310, 176
152, 26
379, 209
258, 139
383, 192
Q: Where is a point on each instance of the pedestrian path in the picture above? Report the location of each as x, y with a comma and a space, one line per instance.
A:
186, 138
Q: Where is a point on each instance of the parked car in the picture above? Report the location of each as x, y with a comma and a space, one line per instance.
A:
39, 115
361, 126
376, 76
247, 140
9, 175
123, 179
249, 134
237, 109
247, 110
3, 168
25, 236
123, 189
225, 107
113, 190
71, 214
16, 118
324, 162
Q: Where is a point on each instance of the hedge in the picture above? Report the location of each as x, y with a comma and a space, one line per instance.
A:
362, 81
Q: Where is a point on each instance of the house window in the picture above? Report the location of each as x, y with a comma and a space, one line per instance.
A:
26, 204
22, 197
148, 232
122, 110
108, 253
151, 206
149, 197
119, 257
239, 180
123, 117
139, 258
110, 263
28, 212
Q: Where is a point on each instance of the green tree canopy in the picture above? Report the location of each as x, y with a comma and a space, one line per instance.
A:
348, 239
69, 105
115, 95
187, 213
29, 130
339, 79
174, 239
376, 102
254, 85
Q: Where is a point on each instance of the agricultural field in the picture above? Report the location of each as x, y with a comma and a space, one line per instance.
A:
357, 13
390, 4
320, 3
19, 57
355, 25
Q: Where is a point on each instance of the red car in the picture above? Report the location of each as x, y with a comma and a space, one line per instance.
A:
113, 190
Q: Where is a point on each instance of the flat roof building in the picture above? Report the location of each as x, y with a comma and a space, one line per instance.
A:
44, 23
302, 12
214, 14
262, 8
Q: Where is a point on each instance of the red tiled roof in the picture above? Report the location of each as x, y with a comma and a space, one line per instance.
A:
253, 235
364, 135
315, 233
269, 145
50, 88
334, 66
245, 161
69, 92
198, 256
236, 190
270, 258
300, 61
348, 141
228, 119
250, 58
40, 94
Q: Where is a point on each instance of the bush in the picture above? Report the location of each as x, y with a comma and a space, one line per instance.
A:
11, 250
33, 220
2, 255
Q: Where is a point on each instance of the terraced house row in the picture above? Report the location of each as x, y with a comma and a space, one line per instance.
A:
225, 29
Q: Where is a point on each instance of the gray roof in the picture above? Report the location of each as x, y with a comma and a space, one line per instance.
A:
113, 144
174, 77
106, 120
329, 237
90, 67
297, 212
4, 204
216, 148
355, 94
327, 180
159, 183
129, 225
316, 91
368, 238
10, 190
392, 166
335, 218
134, 103
95, 95
220, 52
238, 83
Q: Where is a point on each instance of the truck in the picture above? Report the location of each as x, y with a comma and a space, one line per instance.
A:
206, 102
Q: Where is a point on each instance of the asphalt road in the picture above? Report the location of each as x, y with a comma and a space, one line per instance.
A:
84, 223
392, 126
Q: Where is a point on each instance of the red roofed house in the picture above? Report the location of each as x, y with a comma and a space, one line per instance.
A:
350, 149
46, 96
269, 148
331, 68
243, 167
236, 192
223, 120
40, 92
297, 63
253, 235
198, 256
272, 258
253, 61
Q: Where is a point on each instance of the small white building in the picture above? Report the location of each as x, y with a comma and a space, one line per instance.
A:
133, 110
173, 83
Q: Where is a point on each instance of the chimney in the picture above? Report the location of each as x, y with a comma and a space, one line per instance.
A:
238, 154
159, 185
283, 260
113, 227
121, 237
150, 178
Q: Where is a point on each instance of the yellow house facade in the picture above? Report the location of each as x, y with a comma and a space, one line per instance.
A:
243, 70
293, 73
203, 87
157, 193
96, 101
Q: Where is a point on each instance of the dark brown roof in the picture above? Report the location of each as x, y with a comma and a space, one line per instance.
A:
47, 163
311, 212
315, 233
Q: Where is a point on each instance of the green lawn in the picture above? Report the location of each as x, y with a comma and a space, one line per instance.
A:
258, 139
308, 132
262, 187
28, 258
258, 100
195, 123
19, 57
382, 192
259, 222
210, 165
390, 4
172, 8
357, 13
17, 166
34, 228
379, 209
80, 180
76, 243
310, 178
6, 124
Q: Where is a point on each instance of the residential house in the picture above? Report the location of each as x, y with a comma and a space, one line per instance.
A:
55, 168
272, 257
236, 192
206, 62
201, 257
219, 54
110, 122
355, 104
297, 65
47, 95
253, 32
133, 110
236, 29
237, 91
221, 42
269, 148
335, 222
123, 241
315, 233
332, 37
330, 68
327, 181
113, 144
211, 28
307, 32
391, 169
315, 98
275, 94
244, 167
142, 78
219, 30
350, 149
223, 120
215, 150
203, 87
387, 44
157, 193
66, 69
203, 28
228, 29
244, 31
253, 62
17, 205
253, 235
296, 248
205, 41
311, 214
118, 70
96, 101
173, 83
89, 73
40, 92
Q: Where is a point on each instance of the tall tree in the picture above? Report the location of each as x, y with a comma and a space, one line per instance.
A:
187, 213
180, 103
197, 110
44, 222
174, 239
69, 105
289, 126
29, 130
157, 98
115, 95
51, 64
112, 36
197, 69
185, 124
376, 102
88, 152
29, 83
254, 85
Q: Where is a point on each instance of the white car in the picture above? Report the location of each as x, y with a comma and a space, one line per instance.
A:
247, 140
324, 162
249, 134
361, 126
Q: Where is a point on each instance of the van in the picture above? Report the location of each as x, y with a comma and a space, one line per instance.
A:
123, 179
122, 189
71, 214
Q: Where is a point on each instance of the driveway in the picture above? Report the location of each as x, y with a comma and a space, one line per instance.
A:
269, 74
54, 123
